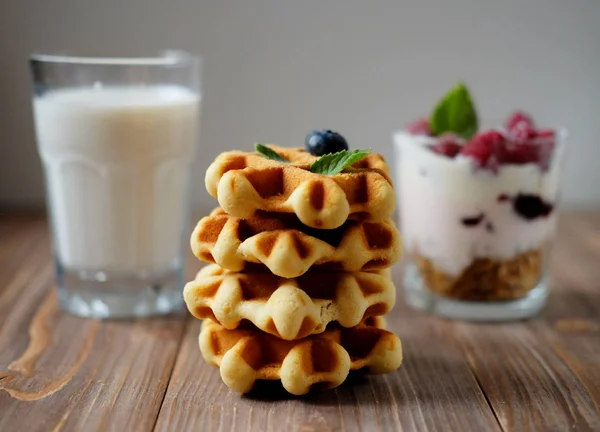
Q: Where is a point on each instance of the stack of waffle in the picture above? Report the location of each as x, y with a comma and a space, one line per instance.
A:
299, 277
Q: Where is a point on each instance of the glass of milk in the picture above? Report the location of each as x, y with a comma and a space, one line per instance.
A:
117, 137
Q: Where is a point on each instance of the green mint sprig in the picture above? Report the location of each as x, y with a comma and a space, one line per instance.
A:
329, 164
270, 153
334, 163
455, 113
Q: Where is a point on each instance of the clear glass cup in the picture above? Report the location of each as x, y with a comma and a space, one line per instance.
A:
117, 137
476, 241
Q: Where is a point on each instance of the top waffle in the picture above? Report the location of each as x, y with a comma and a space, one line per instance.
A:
246, 183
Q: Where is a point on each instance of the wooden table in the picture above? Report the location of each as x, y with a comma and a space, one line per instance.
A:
59, 372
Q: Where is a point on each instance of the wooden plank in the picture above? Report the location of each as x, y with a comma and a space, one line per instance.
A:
528, 386
10, 224
19, 239
59, 372
572, 322
433, 390
576, 257
535, 375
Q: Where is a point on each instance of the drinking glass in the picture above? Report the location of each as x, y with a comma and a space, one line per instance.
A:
117, 137
477, 240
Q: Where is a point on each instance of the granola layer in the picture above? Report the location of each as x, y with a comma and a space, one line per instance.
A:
485, 279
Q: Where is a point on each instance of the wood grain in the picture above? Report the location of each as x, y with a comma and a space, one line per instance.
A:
59, 372
544, 374
406, 400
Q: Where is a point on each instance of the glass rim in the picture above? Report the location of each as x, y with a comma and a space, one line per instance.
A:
562, 133
166, 58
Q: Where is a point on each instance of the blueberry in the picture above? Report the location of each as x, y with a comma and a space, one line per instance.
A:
324, 141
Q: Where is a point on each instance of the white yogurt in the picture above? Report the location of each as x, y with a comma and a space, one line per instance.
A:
435, 193
117, 166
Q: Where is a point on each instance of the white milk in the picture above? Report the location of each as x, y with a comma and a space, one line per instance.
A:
117, 162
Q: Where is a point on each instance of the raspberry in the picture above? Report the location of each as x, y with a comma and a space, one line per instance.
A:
447, 145
419, 127
522, 153
447, 149
516, 118
523, 132
487, 149
531, 147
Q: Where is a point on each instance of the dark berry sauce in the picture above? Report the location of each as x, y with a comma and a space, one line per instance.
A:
531, 206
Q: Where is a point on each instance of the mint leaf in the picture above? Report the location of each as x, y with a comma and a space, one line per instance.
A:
269, 153
333, 163
455, 113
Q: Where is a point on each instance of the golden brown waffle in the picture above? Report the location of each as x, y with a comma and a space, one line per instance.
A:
289, 308
318, 362
289, 248
246, 183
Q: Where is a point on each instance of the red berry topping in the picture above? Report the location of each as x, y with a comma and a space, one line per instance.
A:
516, 118
522, 153
487, 148
447, 149
447, 145
523, 132
419, 127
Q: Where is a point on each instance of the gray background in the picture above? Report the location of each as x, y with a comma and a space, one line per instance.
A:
276, 69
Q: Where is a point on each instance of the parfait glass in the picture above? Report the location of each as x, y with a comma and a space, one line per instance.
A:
477, 240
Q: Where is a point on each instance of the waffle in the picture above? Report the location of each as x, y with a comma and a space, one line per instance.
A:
288, 308
247, 183
318, 362
289, 249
